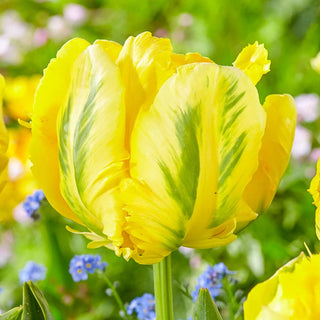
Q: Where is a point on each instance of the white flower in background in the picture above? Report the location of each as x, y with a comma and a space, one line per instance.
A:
9, 53
308, 106
15, 37
16, 169
13, 26
301, 143
75, 14
58, 28
187, 252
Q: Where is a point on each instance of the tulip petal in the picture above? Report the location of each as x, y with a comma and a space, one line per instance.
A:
145, 63
275, 151
253, 61
262, 296
50, 94
91, 143
96, 241
112, 48
315, 192
192, 154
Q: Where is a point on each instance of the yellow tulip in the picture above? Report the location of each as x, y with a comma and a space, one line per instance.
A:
3, 141
151, 150
292, 293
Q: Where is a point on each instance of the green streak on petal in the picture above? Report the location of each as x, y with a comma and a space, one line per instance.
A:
82, 131
183, 187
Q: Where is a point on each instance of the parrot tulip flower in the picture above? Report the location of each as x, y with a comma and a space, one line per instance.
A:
291, 293
151, 150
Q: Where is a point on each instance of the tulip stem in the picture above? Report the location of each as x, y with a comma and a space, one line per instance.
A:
162, 278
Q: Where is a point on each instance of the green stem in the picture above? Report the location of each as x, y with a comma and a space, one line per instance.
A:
162, 279
231, 298
115, 293
50, 232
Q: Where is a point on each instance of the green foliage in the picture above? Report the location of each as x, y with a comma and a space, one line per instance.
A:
205, 308
34, 306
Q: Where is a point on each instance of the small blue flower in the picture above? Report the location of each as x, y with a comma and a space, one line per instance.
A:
32, 203
143, 306
211, 279
81, 265
32, 271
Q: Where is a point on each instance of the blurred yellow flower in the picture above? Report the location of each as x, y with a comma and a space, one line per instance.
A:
19, 179
292, 293
315, 63
151, 150
18, 96
3, 141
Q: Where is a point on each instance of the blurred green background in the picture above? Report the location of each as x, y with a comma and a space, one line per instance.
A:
31, 32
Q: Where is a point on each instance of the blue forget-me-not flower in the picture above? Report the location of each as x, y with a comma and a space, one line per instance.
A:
143, 306
211, 279
81, 265
32, 271
32, 203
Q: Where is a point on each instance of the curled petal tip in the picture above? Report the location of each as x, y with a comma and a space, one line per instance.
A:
253, 61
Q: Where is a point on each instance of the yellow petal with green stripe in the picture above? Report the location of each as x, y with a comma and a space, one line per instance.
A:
192, 154
275, 151
91, 132
253, 61
49, 97
3, 140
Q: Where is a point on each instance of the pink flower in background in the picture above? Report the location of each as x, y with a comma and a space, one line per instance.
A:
314, 155
75, 14
308, 107
40, 37
195, 261
301, 143
161, 33
185, 19
58, 28
6, 242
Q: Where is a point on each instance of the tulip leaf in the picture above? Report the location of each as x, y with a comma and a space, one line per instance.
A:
35, 306
205, 308
13, 314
